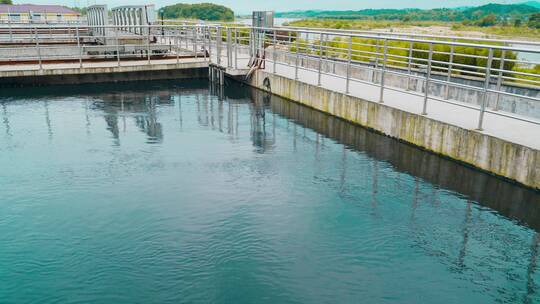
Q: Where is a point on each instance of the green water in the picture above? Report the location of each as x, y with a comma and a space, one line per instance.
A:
174, 192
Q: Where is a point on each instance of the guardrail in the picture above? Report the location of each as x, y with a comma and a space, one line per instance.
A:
488, 72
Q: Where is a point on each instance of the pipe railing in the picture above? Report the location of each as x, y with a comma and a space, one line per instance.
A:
485, 69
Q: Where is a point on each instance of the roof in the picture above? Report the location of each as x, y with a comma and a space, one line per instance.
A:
35, 8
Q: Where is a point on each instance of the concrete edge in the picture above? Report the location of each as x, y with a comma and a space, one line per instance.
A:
493, 155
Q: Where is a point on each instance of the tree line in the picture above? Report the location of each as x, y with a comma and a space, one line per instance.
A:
201, 11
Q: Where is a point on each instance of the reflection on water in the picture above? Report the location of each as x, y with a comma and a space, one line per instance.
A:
181, 192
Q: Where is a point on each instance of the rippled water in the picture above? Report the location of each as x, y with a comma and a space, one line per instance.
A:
171, 192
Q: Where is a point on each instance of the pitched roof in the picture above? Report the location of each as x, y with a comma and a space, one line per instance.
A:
35, 8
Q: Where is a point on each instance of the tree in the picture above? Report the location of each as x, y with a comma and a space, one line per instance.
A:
517, 22
534, 21
489, 20
201, 11
6, 2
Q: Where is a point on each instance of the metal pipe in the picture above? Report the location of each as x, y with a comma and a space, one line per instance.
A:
38, 49
449, 75
218, 44
383, 73
499, 79
428, 76
349, 59
409, 65
79, 47
274, 52
297, 57
117, 48
320, 59
229, 48
486, 86
236, 48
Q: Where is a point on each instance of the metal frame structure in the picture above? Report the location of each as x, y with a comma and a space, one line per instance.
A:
483, 69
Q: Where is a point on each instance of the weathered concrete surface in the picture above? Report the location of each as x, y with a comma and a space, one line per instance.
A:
103, 72
497, 156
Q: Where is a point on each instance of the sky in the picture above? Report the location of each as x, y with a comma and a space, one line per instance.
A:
246, 6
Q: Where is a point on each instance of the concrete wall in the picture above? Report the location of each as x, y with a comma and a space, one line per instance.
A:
499, 157
104, 74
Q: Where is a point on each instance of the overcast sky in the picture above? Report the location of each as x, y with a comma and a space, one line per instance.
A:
246, 6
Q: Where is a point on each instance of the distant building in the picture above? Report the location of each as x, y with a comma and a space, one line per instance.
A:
30, 13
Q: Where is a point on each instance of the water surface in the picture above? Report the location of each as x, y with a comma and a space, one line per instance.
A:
176, 192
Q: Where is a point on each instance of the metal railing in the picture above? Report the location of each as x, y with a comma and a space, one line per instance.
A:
488, 76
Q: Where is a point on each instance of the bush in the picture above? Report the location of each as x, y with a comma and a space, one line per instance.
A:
534, 21
489, 20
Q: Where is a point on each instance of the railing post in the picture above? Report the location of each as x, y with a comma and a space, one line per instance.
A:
449, 75
274, 53
229, 48
79, 46
428, 76
178, 48
499, 79
117, 48
349, 60
236, 42
195, 36
148, 46
409, 65
218, 44
320, 59
383, 72
485, 91
297, 57
376, 59
10, 30
209, 40
38, 49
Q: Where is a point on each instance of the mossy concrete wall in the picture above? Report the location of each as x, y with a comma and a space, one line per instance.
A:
488, 153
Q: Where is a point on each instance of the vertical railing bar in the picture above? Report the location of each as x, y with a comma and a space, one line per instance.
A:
230, 46
349, 59
449, 75
297, 56
499, 79
38, 49
218, 44
321, 41
485, 91
236, 44
195, 37
148, 45
177, 48
428, 77
117, 48
274, 52
79, 47
409, 65
383, 72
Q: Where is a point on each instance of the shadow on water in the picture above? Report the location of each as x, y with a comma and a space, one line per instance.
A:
510, 200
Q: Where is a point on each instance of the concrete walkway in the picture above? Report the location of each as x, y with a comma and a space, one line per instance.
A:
509, 129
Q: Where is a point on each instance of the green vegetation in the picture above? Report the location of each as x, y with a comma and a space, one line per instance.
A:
366, 50
202, 11
6, 2
534, 21
80, 10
